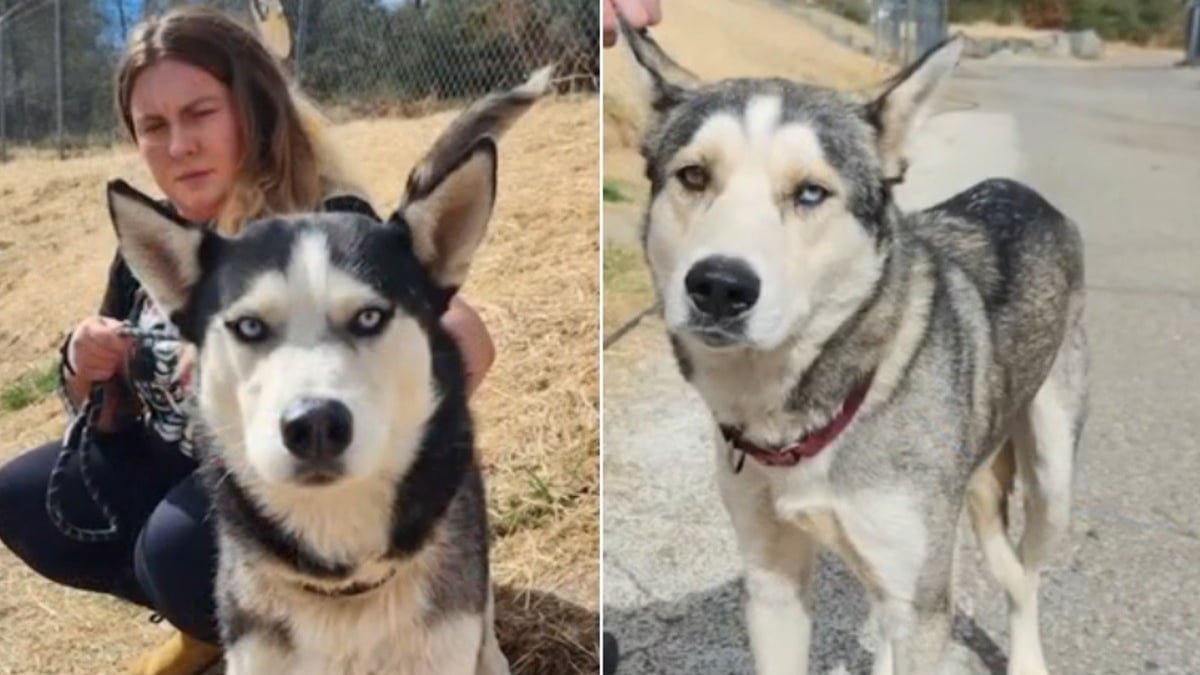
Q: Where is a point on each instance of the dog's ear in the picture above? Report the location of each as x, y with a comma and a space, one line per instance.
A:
906, 100
161, 250
449, 196
667, 82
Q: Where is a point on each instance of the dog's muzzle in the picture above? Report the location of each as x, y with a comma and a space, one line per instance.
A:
317, 431
721, 292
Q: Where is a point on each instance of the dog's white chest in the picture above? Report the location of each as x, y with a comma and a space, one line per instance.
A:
450, 646
385, 632
879, 534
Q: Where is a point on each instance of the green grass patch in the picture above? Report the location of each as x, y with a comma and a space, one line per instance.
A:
29, 388
539, 503
625, 270
627, 286
614, 192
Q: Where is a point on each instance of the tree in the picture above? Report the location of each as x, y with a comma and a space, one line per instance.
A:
30, 79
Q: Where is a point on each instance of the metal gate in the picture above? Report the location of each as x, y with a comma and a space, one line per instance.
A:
1192, 38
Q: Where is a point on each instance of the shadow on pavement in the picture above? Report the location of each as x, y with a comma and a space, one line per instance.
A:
704, 632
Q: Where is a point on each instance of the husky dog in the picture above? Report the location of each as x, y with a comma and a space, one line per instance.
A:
879, 369
333, 421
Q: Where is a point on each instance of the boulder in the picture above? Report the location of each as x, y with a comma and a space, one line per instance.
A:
1054, 44
981, 47
1086, 44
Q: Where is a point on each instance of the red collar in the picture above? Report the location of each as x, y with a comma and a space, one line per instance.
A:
806, 447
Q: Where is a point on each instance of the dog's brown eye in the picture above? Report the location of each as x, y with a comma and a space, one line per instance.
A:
809, 195
694, 178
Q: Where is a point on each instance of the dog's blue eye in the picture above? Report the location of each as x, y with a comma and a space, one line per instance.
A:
248, 329
810, 194
694, 178
369, 321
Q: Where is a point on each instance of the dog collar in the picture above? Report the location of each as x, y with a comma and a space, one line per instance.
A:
348, 590
806, 447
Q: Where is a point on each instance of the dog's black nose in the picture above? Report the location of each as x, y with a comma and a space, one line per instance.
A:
317, 428
722, 287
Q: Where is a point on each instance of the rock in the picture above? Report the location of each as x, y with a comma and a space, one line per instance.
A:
1054, 44
1086, 44
981, 47
1019, 46
1003, 54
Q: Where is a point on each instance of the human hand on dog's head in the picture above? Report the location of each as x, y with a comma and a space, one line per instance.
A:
637, 13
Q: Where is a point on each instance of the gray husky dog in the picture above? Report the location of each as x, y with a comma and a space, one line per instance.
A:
333, 423
870, 372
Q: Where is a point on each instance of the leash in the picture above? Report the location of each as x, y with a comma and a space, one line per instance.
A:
78, 437
629, 325
76, 440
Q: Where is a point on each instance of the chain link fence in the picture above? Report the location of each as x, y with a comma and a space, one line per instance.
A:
905, 29
892, 31
365, 57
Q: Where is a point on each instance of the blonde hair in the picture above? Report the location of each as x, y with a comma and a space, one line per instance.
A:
288, 163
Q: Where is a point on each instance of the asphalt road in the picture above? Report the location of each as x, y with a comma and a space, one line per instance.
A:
1118, 150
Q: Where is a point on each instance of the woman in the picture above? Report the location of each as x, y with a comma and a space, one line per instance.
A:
226, 140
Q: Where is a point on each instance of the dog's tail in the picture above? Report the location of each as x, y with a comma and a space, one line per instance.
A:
489, 117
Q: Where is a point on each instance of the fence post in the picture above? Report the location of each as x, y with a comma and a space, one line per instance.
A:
58, 74
301, 20
931, 26
3, 96
910, 31
1191, 55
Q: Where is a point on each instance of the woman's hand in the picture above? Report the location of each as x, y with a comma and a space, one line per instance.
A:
98, 349
474, 342
637, 13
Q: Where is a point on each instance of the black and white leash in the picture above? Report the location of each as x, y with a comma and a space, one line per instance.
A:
75, 443
79, 434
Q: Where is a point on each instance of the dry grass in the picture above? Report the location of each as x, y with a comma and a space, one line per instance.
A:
730, 38
627, 286
535, 282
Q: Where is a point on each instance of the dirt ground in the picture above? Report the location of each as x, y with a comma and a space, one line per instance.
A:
535, 282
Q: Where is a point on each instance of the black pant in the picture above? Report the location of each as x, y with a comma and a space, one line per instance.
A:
165, 556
